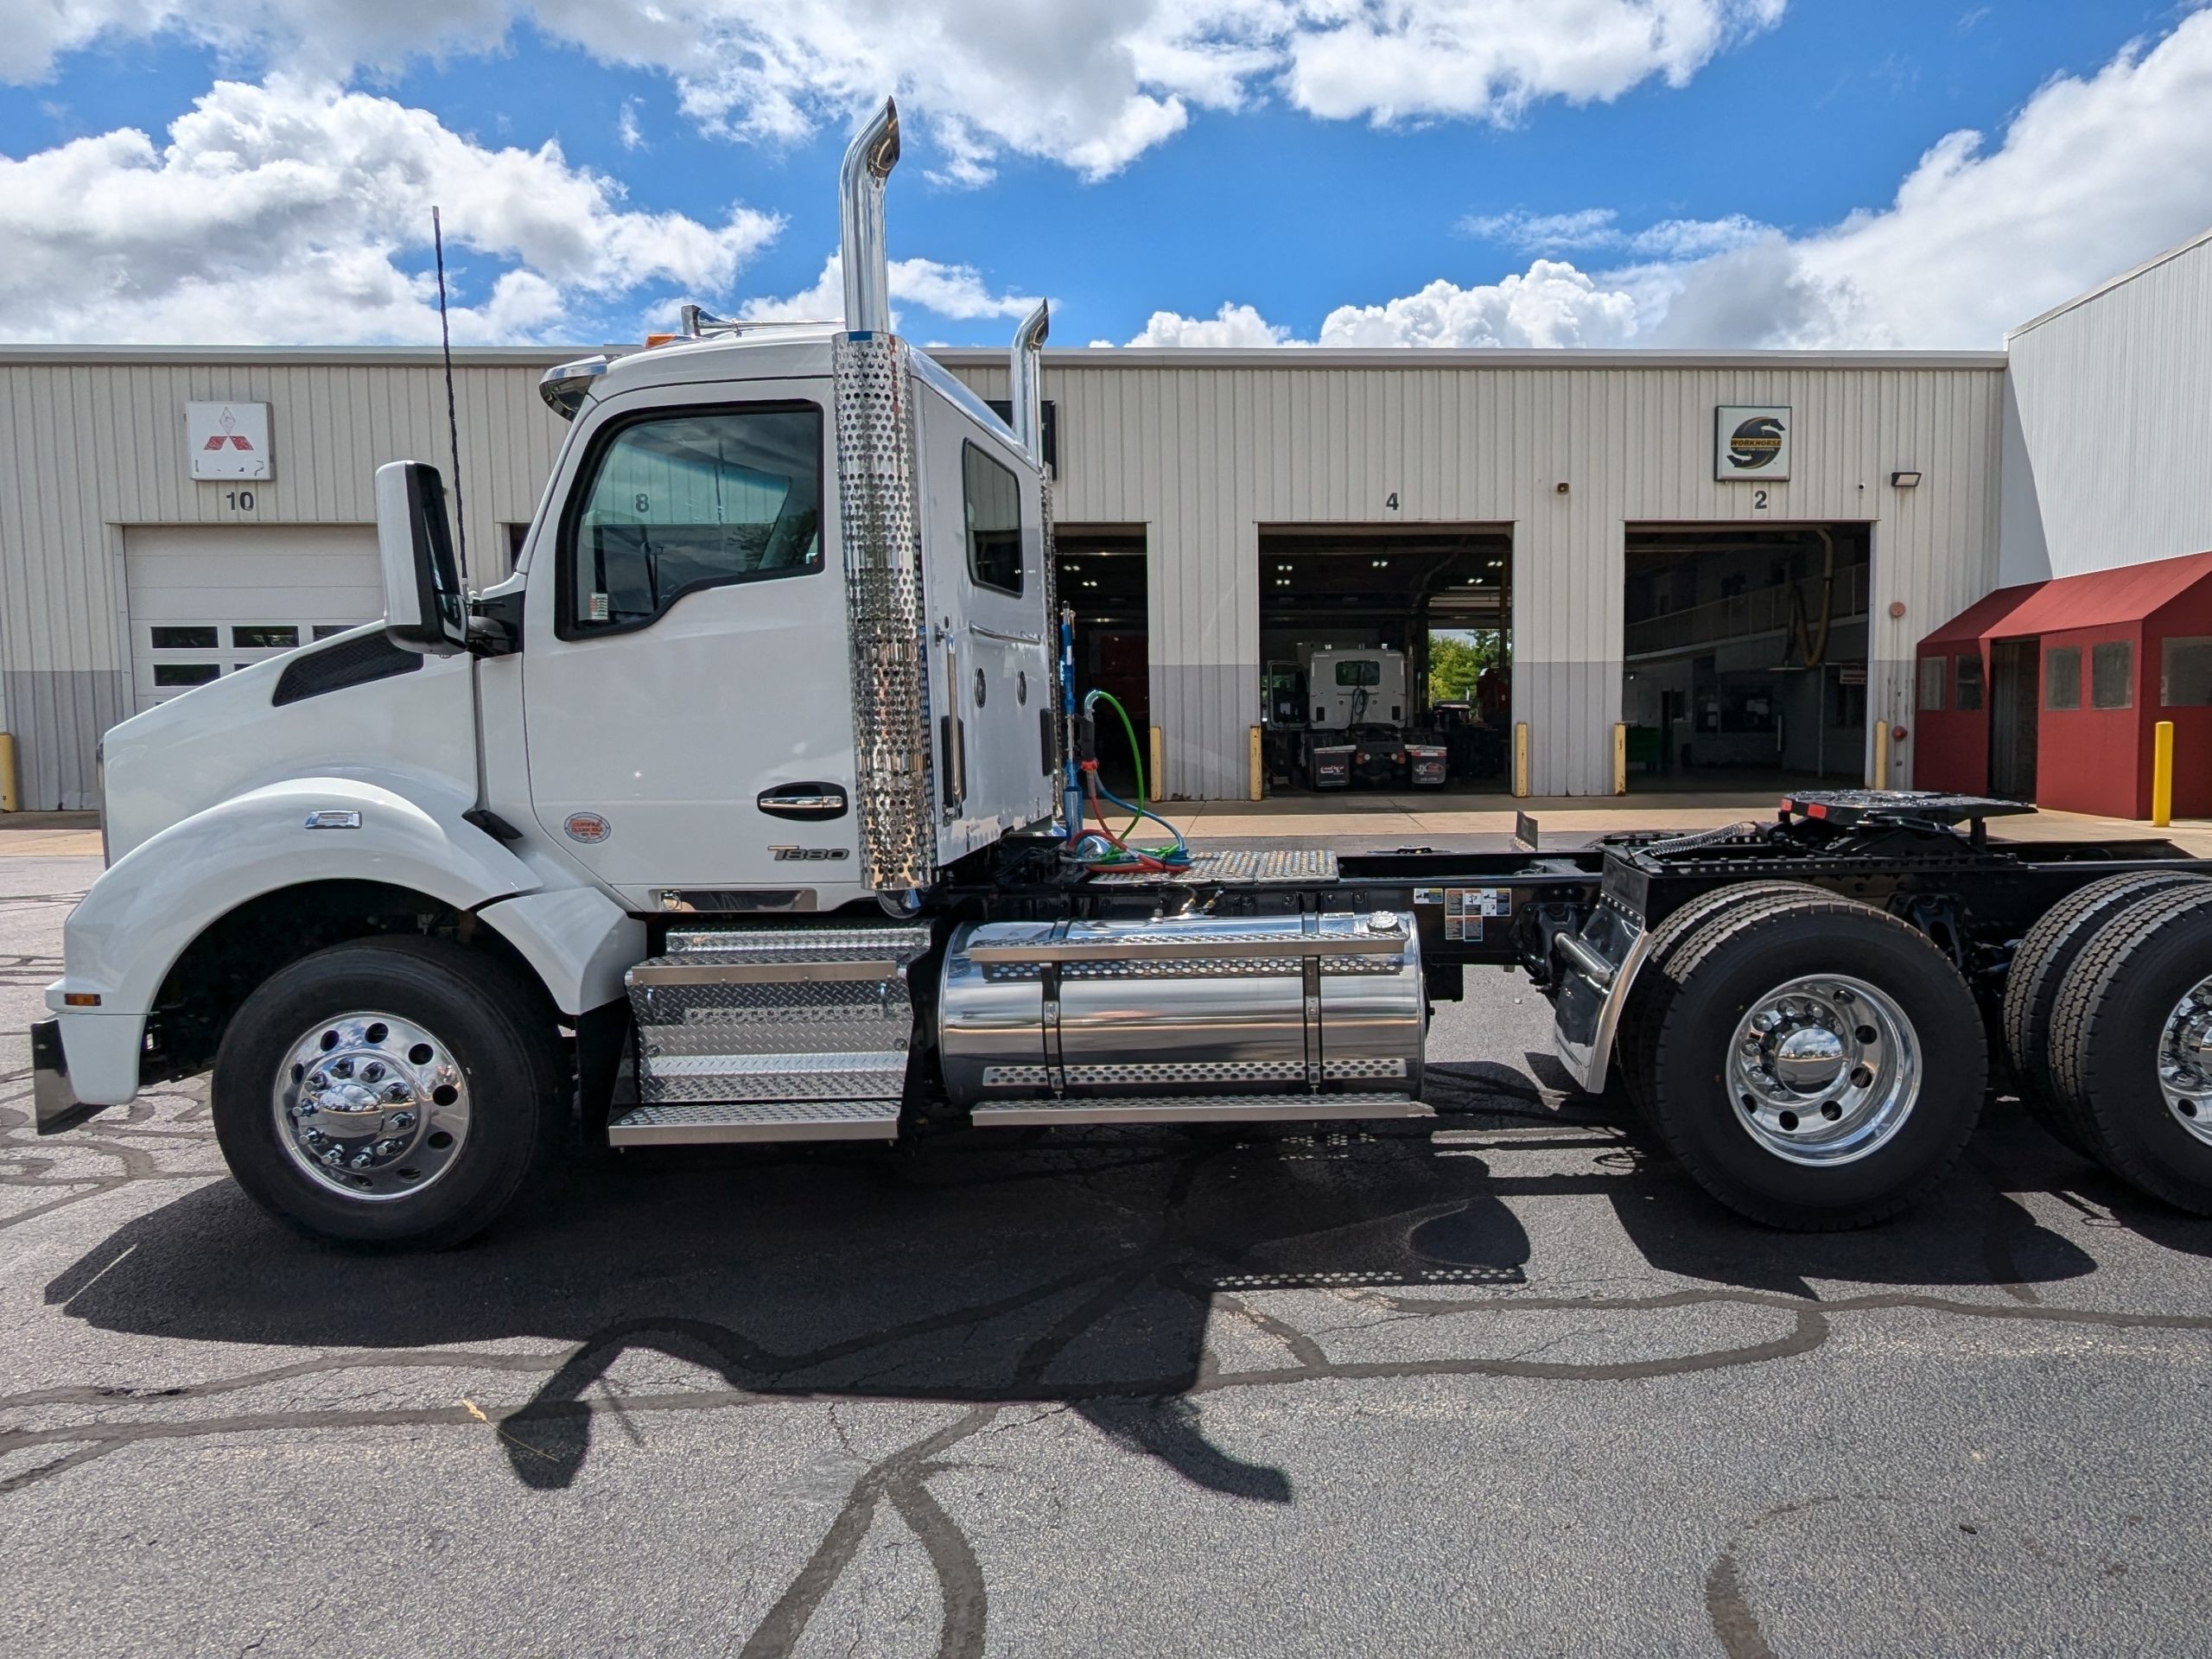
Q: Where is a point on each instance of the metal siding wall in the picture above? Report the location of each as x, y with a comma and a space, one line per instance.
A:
2114, 411
94, 445
1200, 452
1203, 456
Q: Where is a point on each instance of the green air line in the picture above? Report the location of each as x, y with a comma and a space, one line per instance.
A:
1135, 755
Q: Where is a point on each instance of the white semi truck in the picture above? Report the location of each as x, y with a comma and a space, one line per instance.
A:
756, 805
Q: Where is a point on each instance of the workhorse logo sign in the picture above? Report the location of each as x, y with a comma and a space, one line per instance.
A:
1751, 443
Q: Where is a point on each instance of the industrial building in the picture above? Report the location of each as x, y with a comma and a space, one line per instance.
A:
1707, 569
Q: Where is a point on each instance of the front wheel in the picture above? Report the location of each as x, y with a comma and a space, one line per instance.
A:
1821, 1064
392, 1093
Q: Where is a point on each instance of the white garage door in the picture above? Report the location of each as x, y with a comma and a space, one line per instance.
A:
206, 600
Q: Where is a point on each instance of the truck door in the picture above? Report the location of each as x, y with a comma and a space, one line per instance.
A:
986, 596
686, 691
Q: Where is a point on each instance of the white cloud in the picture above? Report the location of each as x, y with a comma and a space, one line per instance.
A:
294, 210
1553, 304
954, 291
1233, 325
1390, 60
1092, 85
1600, 228
2091, 175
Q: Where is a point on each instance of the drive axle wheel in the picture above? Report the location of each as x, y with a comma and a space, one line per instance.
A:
1636, 1044
2039, 966
1820, 1063
392, 1093
2131, 1046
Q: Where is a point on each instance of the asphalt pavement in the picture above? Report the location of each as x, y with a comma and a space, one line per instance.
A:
1503, 1383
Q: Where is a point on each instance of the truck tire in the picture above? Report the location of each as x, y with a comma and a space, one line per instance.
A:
392, 1093
2131, 1046
1636, 1040
1821, 1064
2038, 968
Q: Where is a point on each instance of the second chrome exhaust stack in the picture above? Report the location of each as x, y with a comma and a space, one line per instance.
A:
1026, 385
862, 253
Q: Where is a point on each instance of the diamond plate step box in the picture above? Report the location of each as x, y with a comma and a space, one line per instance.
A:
706, 1123
813, 1022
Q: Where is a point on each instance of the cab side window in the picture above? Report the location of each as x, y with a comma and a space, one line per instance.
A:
993, 512
681, 502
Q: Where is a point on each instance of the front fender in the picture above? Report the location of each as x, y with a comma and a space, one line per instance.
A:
138, 918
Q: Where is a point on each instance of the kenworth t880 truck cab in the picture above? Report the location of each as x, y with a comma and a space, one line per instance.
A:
759, 804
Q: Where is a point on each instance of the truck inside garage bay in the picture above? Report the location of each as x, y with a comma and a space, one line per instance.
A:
761, 804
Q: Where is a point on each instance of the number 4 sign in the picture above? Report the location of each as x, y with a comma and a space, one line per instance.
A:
227, 440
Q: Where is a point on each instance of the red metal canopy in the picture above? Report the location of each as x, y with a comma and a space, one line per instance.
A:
2104, 599
2097, 599
1983, 618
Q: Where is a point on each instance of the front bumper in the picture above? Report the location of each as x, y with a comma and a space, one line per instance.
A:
54, 1105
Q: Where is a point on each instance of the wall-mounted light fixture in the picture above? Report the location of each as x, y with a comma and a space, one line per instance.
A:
1905, 480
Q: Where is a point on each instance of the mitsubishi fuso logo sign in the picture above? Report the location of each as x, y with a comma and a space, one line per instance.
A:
227, 440
1751, 442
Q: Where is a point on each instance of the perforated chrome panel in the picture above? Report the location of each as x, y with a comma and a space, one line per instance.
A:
881, 528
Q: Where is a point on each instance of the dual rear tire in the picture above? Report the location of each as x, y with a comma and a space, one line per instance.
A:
2127, 1056
1813, 1063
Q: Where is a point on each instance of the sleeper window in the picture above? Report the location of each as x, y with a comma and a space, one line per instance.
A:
994, 510
701, 500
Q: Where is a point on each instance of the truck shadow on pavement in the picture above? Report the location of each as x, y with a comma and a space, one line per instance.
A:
1080, 1270
1122, 1275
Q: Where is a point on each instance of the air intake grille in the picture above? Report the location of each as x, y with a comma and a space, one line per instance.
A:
350, 661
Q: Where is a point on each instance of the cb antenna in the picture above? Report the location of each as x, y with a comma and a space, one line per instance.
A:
453, 418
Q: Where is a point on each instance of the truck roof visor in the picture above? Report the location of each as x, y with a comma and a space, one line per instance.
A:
863, 254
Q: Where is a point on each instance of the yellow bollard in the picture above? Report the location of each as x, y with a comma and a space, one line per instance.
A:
8, 801
1620, 757
2162, 774
1882, 755
1159, 783
1257, 778
1520, 760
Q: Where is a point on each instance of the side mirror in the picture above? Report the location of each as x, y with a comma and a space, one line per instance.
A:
424, 609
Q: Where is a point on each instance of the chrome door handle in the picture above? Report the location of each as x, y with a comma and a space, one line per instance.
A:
811, 801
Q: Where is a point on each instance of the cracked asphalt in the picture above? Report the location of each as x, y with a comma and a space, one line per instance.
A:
1503, 1383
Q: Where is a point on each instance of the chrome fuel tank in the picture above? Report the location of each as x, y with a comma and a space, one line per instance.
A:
1182, 1006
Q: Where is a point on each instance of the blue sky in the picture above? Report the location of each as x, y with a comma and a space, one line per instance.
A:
1334, 204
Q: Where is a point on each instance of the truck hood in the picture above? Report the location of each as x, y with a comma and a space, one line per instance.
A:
349, 706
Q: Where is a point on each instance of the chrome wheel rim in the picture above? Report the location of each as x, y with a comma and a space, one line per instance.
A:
371, 1106
1824, 1070
2186, 1062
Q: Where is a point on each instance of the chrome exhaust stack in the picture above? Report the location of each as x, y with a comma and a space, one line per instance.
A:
1026, 386
868, 160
